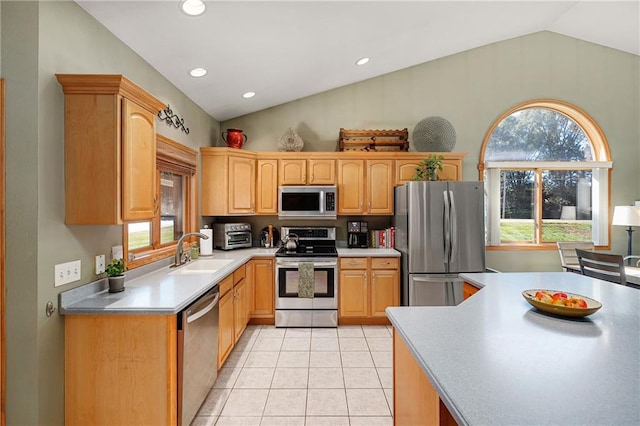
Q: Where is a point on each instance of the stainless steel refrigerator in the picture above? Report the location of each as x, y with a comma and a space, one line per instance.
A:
440, 233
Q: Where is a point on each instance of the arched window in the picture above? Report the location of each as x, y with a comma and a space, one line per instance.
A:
546, 167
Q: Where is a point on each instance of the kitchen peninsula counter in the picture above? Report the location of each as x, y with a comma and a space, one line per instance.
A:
158, 292
494, 359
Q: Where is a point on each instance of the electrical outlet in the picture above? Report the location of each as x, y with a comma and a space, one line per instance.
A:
65, 273
100, 261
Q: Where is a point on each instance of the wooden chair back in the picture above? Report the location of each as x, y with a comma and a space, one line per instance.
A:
608, 267
567, 250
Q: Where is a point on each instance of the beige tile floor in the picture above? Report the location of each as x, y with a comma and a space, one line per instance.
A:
319, 376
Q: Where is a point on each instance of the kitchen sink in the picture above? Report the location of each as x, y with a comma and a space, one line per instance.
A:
202, 266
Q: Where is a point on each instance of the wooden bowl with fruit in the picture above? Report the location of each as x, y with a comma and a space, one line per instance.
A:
561, 303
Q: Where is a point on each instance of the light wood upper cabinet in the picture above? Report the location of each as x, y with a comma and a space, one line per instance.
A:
109, 149
350, 186
379, 187
138, 162
451, 168
267, 187
313, 171
228, 182
292, 172
365, 186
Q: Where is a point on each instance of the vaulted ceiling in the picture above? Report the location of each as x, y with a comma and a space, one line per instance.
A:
288, 50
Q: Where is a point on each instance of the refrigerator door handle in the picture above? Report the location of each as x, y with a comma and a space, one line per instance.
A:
453, 223
447, 229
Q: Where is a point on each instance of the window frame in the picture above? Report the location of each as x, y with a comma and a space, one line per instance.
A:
171, 156
601, 167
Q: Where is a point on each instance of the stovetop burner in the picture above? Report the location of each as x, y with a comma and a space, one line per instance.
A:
308, 251
313, 241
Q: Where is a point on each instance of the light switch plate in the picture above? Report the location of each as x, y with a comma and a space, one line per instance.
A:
117, 252
65, 273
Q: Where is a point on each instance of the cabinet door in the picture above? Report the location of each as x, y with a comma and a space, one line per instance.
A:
379, 194
406, 169
353, 298
321, 172
225, 327
264, 289
350, 186
138, 162
292, 172
267, 187
239, 310
385, 291
241, 185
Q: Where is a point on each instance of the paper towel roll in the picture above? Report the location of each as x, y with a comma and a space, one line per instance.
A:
206, 246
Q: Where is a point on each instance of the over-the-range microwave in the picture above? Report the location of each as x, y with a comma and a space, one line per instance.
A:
307, 202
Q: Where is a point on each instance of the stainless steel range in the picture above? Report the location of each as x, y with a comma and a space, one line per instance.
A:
316, 247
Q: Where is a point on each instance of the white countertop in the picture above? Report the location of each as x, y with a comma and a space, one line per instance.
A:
160, 292
496, 360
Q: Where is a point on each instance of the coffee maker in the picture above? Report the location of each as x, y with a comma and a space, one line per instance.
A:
357, 234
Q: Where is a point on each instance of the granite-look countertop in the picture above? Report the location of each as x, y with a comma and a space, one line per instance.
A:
496, 360
164, 293
367, 252
158, 292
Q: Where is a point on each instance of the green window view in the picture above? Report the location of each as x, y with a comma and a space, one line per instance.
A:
545, 195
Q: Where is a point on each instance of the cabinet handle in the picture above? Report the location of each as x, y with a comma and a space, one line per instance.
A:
155, 204
360, 205
369, 206
365, 277
311, 181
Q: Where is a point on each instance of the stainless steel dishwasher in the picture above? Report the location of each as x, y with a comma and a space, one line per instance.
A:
197, 353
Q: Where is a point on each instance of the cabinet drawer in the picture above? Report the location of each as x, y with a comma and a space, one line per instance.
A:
384, 263
225, 285
239, 274
353, 263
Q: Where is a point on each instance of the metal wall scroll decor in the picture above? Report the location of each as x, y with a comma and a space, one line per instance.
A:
172, 119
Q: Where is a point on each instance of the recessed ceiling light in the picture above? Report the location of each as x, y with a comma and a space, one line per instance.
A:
249, 95
362, 61
198, 72
192, 7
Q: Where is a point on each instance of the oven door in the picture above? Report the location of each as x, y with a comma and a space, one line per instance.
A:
325, 284
238, 239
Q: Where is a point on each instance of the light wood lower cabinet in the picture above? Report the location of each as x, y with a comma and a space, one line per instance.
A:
262, 277
225, 321
415, 401
366, 287
120, 370
234, 312
469, 290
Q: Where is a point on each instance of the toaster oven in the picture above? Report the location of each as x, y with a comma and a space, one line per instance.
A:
229, 236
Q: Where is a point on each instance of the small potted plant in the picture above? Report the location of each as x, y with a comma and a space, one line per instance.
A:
429, 167
115, 272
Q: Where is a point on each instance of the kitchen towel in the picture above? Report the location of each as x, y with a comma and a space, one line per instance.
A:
206, 246
306, 280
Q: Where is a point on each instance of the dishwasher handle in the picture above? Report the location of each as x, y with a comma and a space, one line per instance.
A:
200, 310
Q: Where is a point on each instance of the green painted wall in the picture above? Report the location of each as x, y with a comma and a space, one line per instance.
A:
472, 89
40, 39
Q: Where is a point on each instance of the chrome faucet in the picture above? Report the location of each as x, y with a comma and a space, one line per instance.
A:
180, 251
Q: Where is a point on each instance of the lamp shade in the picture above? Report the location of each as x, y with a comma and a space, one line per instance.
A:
626, 216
